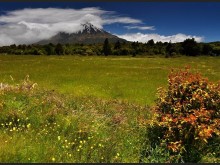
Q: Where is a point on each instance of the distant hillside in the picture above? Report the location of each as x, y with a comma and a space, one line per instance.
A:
89, 34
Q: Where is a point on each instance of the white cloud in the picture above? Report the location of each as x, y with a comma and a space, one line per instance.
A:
31, 25
140, 27
126, 20
140, 37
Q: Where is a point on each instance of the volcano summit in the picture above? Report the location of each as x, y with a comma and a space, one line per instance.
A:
88, 34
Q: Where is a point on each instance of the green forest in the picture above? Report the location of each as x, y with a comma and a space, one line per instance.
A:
188, 47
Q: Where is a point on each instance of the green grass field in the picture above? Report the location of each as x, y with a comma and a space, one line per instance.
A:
132, 79
96, 112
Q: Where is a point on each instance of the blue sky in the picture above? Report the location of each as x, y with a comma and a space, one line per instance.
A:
139, 21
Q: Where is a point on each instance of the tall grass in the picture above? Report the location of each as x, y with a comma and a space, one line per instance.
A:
83, 109
44, 126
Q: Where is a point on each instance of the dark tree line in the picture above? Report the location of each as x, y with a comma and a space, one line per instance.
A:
189, 47
106, 47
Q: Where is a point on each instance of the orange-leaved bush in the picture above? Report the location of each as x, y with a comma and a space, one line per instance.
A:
187, 114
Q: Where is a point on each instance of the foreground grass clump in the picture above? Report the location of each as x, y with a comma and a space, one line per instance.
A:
44, 126
186, 119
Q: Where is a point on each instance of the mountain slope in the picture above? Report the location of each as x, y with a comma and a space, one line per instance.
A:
89, 34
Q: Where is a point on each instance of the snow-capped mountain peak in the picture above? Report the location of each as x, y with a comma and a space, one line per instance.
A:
88, 34
89, 28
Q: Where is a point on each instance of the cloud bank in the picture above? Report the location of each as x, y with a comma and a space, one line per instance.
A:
140, 37
31, 25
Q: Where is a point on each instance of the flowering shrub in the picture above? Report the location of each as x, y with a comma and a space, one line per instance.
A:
187, 115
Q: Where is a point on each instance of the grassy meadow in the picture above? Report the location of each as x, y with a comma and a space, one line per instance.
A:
84, 109
132, 79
